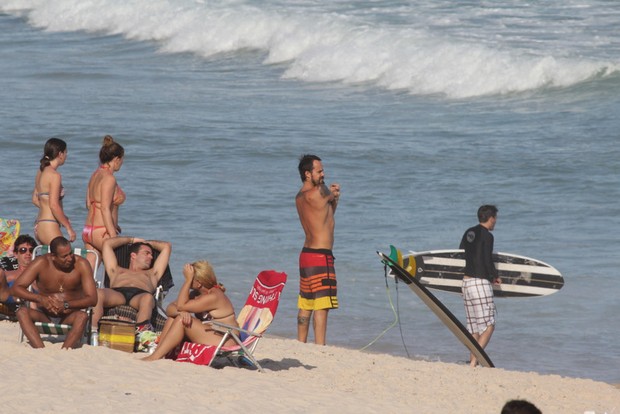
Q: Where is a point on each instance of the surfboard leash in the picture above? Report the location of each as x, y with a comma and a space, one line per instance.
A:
395, 310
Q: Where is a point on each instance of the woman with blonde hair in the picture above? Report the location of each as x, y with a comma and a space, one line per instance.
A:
49, 192
210, 303
103, 198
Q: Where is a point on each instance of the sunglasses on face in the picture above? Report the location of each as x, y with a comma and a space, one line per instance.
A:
23, 250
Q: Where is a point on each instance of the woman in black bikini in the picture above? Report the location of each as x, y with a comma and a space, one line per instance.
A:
210, 303
48, 194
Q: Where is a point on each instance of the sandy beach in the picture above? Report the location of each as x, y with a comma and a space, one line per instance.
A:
299, 378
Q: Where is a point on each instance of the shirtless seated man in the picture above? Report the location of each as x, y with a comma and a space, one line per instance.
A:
65, 288
136, 285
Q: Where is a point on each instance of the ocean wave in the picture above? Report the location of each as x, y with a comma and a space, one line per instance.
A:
320, 47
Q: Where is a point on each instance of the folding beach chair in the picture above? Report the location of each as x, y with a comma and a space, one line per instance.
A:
59, 329
254, 319
126, 312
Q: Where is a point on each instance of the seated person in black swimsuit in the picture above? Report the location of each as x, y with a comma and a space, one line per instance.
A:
202, 296
136, 285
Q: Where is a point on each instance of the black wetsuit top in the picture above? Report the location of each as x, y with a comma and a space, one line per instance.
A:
478, 245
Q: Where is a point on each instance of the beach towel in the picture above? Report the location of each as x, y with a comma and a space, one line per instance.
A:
9, 230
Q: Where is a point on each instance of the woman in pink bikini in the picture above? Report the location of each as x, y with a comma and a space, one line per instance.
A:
48, 194
103, 198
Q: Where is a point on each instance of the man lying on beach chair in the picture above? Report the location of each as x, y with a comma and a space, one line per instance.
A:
135, 285
126, 312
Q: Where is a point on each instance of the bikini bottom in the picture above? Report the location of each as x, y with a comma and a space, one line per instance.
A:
130, 292
36, 225
87, 233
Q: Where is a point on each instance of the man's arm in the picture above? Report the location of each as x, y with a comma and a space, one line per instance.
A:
107, 253
164, 249
89, 288
334, 195
319, 199
35, 196
23, 281
108, 185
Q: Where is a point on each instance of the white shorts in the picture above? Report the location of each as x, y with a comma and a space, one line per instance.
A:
479, 305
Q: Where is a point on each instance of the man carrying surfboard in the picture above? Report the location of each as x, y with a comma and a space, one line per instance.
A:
480, 272
316, 205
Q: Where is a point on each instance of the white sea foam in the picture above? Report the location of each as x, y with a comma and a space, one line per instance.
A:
320, 46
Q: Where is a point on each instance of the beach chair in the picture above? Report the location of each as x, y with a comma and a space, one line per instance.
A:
254, 319
126, 312
59, 329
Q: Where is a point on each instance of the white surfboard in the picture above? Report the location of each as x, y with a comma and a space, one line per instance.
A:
521, 276
438, 308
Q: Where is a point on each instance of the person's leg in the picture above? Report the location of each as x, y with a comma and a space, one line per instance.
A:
470, 302
305, 300
485, 336
320, 326
326, 295
106, 298
303, 325
27, 317
167, 325
168, 341
482, 339
480, 311
78, 321
204, 334
473, 361
94, 241
91, 257
144, 303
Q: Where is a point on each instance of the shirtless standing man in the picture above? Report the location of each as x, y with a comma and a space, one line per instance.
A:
136, 285
65, 287
316, 205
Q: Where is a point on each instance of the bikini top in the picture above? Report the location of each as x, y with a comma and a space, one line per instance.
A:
119, 195
206, 316
46, 193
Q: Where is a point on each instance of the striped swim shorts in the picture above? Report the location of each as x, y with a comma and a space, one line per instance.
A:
317, 280
479, 306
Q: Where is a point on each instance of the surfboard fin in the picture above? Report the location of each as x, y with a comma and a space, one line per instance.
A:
396, 255
411, 265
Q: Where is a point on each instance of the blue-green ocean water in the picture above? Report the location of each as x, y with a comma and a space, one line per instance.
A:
421, 111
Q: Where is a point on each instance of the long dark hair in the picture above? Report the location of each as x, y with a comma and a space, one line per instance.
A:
53, 147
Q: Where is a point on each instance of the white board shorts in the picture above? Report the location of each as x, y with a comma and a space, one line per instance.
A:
479, 305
